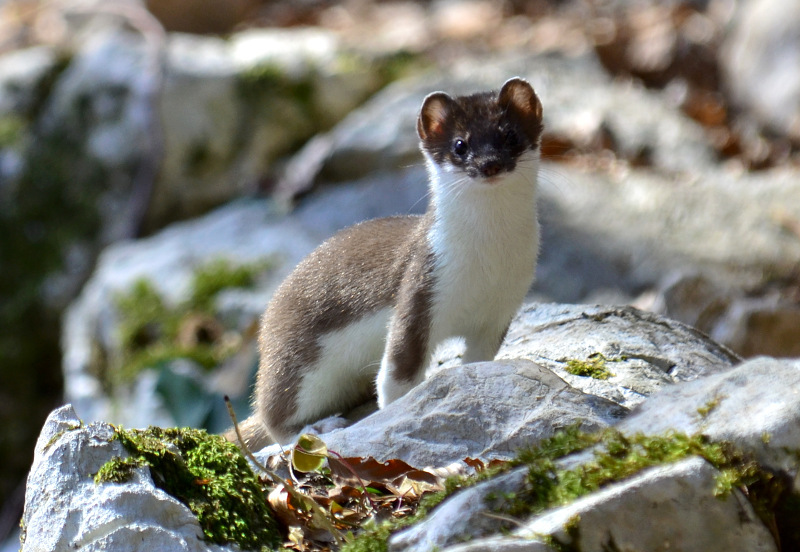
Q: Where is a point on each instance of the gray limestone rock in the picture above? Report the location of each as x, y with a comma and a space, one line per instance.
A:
66, 510
624, 232
643, 352
485, 410
462, 516
756, 405
760, 58
672, 507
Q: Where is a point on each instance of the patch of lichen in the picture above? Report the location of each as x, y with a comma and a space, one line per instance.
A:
153, 332
593, 367
209, 475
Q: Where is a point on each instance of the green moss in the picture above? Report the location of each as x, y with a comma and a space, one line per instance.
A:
616, 457
206, 473
12, 129
374, 536
218, 275
52, 441
152, 332
259, 79
594, 367
144, 318
400, 64
706, 409
267, 79
572, 530
117, 470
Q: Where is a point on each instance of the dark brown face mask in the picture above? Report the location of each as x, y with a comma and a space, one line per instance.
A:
482, 134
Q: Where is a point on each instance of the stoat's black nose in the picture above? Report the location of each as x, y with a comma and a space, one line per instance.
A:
490, 168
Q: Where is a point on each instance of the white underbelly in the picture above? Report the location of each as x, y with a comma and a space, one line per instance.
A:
346, 367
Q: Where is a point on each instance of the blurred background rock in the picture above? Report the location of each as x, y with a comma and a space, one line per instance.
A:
164, 163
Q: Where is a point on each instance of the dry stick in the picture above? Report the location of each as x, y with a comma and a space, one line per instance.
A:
322, 515
501, 517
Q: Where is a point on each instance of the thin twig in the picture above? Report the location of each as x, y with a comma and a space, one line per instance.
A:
322, 515
501, 517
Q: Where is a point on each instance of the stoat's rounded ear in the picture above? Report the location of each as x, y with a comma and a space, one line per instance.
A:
432, 120
518, 94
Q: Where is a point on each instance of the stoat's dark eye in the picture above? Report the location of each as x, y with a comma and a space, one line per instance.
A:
511, 138
460, 147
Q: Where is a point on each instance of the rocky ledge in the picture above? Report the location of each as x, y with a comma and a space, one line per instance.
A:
710, 447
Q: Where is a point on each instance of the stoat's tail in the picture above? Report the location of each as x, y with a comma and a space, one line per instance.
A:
253, 432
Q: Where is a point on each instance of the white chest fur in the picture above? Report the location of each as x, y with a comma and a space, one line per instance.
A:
485, 241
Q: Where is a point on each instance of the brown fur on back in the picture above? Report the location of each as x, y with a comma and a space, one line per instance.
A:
357, 272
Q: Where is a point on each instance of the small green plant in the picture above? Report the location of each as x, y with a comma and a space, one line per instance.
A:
594, 367
206, 473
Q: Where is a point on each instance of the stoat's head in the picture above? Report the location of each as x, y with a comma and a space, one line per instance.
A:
482, 136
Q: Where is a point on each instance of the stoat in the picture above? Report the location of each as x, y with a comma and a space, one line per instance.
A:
363, 313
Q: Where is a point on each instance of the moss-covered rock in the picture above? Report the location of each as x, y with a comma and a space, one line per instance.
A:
553, 480
208, 474
594, 367
153, 332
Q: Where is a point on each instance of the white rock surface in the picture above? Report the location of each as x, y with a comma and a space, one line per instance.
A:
462, 516
669, 507
485, 410
102, 97
482, 410
679, 500
755, 405
625, 232
760, 59
66, 510
644, 352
